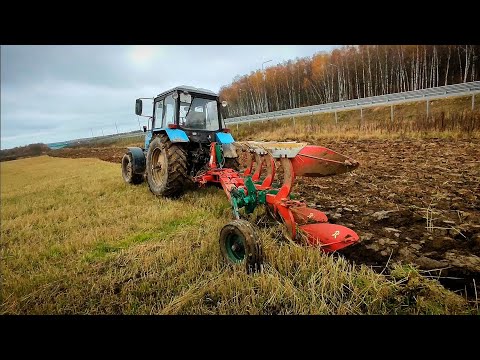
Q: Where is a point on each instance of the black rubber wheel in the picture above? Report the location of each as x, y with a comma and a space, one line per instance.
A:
232, 163
239, 243
127, 171
166, 167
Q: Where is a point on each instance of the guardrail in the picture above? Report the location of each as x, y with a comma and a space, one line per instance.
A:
468, 88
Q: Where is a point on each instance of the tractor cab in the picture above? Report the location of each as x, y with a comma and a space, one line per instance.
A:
186, 114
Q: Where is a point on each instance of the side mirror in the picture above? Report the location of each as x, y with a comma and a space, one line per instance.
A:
138, 107
144, 128
224, 103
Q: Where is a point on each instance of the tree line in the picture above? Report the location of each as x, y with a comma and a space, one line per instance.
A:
348, 73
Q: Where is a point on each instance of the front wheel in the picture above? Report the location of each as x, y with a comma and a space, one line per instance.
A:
239, 243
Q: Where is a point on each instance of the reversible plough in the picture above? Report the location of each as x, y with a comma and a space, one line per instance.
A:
255, 186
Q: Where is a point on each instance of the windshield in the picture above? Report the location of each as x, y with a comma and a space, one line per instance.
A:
199, 114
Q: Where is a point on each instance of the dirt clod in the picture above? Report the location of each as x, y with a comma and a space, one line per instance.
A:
380, 215
427, 263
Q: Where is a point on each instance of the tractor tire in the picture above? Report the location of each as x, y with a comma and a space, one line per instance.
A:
127, 171
232, 163
166, 167
239, 243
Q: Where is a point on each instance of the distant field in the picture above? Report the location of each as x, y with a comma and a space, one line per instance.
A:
77, 240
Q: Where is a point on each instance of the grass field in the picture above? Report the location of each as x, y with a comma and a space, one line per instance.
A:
76, 240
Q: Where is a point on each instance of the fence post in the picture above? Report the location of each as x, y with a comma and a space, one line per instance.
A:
428, 107
237, 127
336, 119
473, 102
293, 118
361, 115
391, 113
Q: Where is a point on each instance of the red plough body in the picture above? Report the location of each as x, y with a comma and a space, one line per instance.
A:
297, 159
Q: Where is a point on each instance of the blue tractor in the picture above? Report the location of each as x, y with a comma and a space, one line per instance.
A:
184, 122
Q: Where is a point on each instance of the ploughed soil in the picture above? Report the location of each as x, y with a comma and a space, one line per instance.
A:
414, 201
112, 154
411, 201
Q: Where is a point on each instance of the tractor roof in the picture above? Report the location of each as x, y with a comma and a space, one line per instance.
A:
189, 89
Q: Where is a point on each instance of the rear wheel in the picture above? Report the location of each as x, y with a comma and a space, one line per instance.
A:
239, 244
127, 171
166, 167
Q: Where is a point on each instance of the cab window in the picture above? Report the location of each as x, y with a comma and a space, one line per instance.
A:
169, 111
158, 114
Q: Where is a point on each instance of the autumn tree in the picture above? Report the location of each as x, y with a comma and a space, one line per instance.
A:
348, 73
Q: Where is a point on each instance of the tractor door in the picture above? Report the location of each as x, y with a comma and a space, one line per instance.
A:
156, 121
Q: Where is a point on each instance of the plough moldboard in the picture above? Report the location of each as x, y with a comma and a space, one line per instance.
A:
255, 186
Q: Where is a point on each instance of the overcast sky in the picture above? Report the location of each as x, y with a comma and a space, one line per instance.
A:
58, 93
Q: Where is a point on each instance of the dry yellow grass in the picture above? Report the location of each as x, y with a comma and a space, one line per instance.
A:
449, 117
76, 240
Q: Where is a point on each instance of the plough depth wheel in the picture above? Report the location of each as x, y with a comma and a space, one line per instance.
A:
239, 243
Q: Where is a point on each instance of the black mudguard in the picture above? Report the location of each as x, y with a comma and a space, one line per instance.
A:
138, 159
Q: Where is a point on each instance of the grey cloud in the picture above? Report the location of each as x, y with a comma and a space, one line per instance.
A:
57, 93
